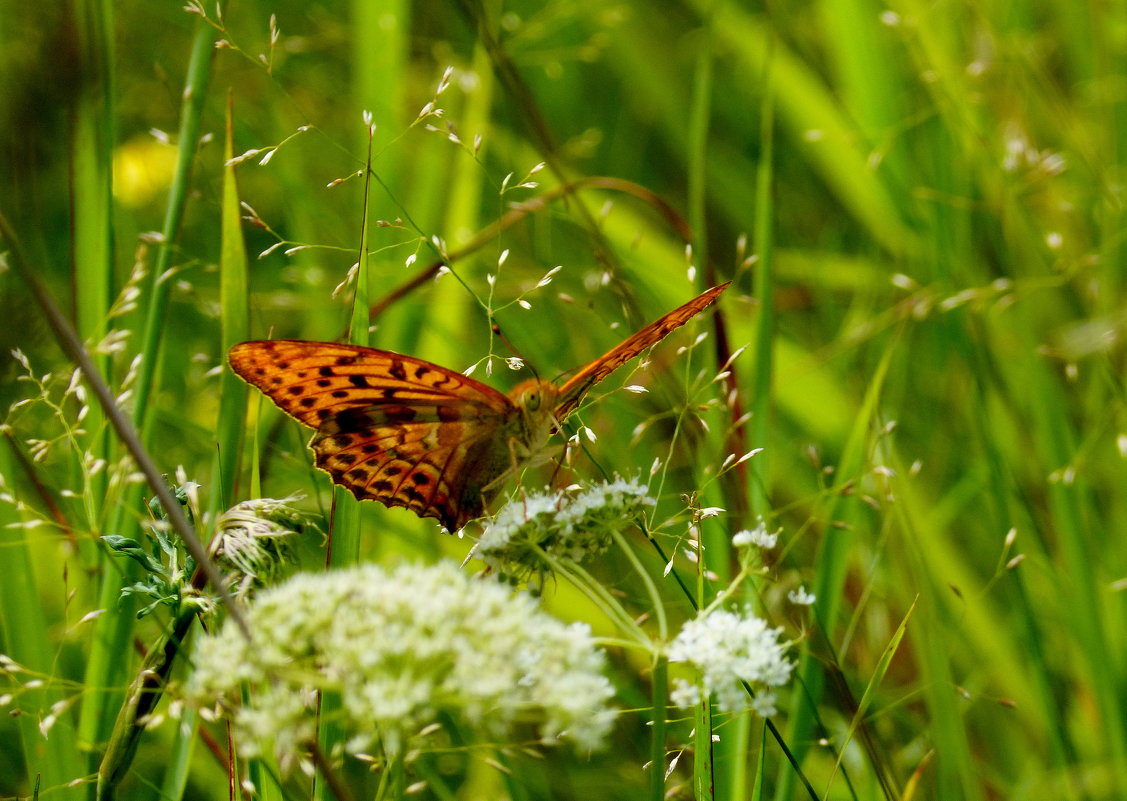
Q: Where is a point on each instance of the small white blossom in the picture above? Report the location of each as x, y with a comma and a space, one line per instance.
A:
684, 694
548, 276
729, 649
400, 649
758, 536
801, 597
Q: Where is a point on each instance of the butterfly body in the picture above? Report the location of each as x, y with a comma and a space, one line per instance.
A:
410, 433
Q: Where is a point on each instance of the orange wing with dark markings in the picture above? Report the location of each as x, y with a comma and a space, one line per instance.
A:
311, 380
391, 428
576, 387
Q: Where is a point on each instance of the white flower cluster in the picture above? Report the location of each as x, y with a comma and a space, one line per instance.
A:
759, 536
399, 649
253, 542
729, 649
569, 526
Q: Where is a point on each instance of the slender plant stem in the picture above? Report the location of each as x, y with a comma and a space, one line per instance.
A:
659, 693
70, 344
647, 582
325, 770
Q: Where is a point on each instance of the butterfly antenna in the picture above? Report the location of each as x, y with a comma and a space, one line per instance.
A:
497, 332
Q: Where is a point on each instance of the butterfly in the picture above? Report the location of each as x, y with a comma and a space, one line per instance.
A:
406, 432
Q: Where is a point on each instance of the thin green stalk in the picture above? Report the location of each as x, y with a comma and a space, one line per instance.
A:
95, 134
647, 581
344, 522
704, 773
659, 697
736, 746
74, 350
23, 627
765, 333
105, 666
1092, 629
191, 114
698, 125
597, 594
179, 762
830, 571
757, 790
230, 424
344, 536
92, 204
142, 698
234, 325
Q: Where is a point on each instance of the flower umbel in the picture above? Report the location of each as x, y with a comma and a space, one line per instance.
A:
569, 525
401, 649
253, 543
729, 649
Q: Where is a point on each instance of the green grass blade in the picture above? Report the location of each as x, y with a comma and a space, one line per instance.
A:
95, 128
24, 628
874, 683
830, 570
234, 328
658, 705
106, 666
191, 112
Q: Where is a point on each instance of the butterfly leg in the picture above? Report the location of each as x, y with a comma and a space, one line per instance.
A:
516, 463
558, 466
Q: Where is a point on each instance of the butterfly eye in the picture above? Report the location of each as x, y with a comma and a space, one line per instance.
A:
532, 400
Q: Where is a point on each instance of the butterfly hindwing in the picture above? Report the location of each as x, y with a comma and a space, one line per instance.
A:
429, 461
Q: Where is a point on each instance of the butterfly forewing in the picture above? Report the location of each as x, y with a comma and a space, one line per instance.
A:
576, 387
312, 380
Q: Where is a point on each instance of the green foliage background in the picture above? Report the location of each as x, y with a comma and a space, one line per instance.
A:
933, 193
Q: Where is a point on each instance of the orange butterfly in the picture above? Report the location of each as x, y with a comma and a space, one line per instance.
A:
406, 432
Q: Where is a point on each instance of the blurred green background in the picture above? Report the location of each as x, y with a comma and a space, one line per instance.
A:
920, 204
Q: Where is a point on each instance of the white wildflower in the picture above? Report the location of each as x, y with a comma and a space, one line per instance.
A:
758, 536
401, 649
801, 597
729, 649
684, 694
548, 276
253, 543
569, 524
